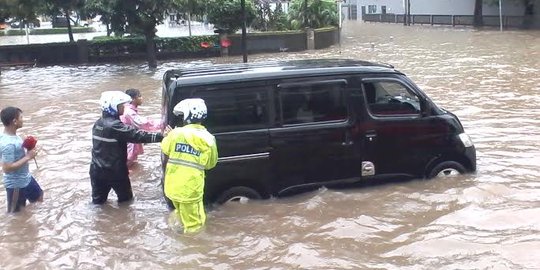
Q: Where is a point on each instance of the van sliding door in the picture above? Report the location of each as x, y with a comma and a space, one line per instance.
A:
312, 143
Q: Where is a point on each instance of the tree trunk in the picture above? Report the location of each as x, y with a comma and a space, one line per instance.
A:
151, 50
478, 21
189, 23
70, 31
109, 30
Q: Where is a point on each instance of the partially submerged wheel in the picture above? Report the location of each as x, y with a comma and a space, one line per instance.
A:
238, 194
447, 169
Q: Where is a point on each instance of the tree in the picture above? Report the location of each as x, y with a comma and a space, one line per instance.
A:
227, 14
269, 19
140, 17
22, 10
103, 8
190, 7
319, 13
65, 8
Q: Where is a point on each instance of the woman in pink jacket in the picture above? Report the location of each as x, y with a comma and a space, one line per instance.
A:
131, 117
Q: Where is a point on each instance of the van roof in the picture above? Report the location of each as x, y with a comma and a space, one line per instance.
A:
203, 73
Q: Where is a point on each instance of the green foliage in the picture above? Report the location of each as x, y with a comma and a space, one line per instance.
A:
23, 10
194, 7
184, 44
114, 45
138, 16
227, 14
92, 8
269, 19
319, 13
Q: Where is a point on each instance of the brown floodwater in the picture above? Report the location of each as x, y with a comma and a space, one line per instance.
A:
489, 220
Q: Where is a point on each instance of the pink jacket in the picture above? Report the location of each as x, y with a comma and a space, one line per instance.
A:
131, 117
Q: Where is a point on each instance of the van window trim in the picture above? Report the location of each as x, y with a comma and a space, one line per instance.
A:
314, 125
311, 83
391, 116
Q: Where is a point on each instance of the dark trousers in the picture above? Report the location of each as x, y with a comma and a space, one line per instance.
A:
101, 186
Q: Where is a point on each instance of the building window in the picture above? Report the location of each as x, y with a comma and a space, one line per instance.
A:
372, 9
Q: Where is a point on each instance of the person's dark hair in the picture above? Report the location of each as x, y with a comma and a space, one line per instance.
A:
8, 114
133, 93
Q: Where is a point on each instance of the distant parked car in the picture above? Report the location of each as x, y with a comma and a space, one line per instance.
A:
59, 22
20, 24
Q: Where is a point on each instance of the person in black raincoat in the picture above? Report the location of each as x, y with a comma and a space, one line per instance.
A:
110, 136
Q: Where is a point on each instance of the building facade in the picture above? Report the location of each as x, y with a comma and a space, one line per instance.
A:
353, 9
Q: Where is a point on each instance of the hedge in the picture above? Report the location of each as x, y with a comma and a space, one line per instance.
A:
46, 31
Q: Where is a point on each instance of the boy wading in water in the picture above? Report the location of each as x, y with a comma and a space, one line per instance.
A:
189, 151
19, 183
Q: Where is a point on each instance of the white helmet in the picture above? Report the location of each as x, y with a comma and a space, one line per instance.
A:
193, 109
110, 100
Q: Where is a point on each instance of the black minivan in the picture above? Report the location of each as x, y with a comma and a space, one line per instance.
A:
286, 126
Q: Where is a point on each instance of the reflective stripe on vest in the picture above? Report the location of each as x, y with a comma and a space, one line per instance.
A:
103, 139
186, 163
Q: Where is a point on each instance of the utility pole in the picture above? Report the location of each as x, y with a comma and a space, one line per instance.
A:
408, 12
500, 15
244, 35
305, 14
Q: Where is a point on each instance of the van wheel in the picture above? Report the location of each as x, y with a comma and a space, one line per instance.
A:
238, 194
447, 169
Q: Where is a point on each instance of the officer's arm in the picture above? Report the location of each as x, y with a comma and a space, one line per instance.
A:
130, 134
165, 150
213, 157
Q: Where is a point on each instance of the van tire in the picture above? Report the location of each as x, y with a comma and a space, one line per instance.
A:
238, 194
446, 169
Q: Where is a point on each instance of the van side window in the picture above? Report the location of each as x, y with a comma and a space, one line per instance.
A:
390, 98
313, 103
232, 110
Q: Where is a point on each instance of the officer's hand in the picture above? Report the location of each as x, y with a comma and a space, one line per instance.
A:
167, 130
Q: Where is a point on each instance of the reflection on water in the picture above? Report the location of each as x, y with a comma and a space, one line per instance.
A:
487, 220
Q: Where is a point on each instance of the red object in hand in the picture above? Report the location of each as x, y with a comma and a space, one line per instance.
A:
29, 143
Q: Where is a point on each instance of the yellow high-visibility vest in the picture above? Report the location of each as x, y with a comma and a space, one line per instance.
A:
191, 150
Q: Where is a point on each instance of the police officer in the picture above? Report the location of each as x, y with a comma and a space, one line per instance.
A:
110, 136
189, 151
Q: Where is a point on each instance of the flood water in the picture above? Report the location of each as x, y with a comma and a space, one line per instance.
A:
489, 220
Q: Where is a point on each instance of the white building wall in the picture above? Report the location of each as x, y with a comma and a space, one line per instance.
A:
440, 7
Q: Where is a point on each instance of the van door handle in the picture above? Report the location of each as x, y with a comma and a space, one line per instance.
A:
371, 135
348, 141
